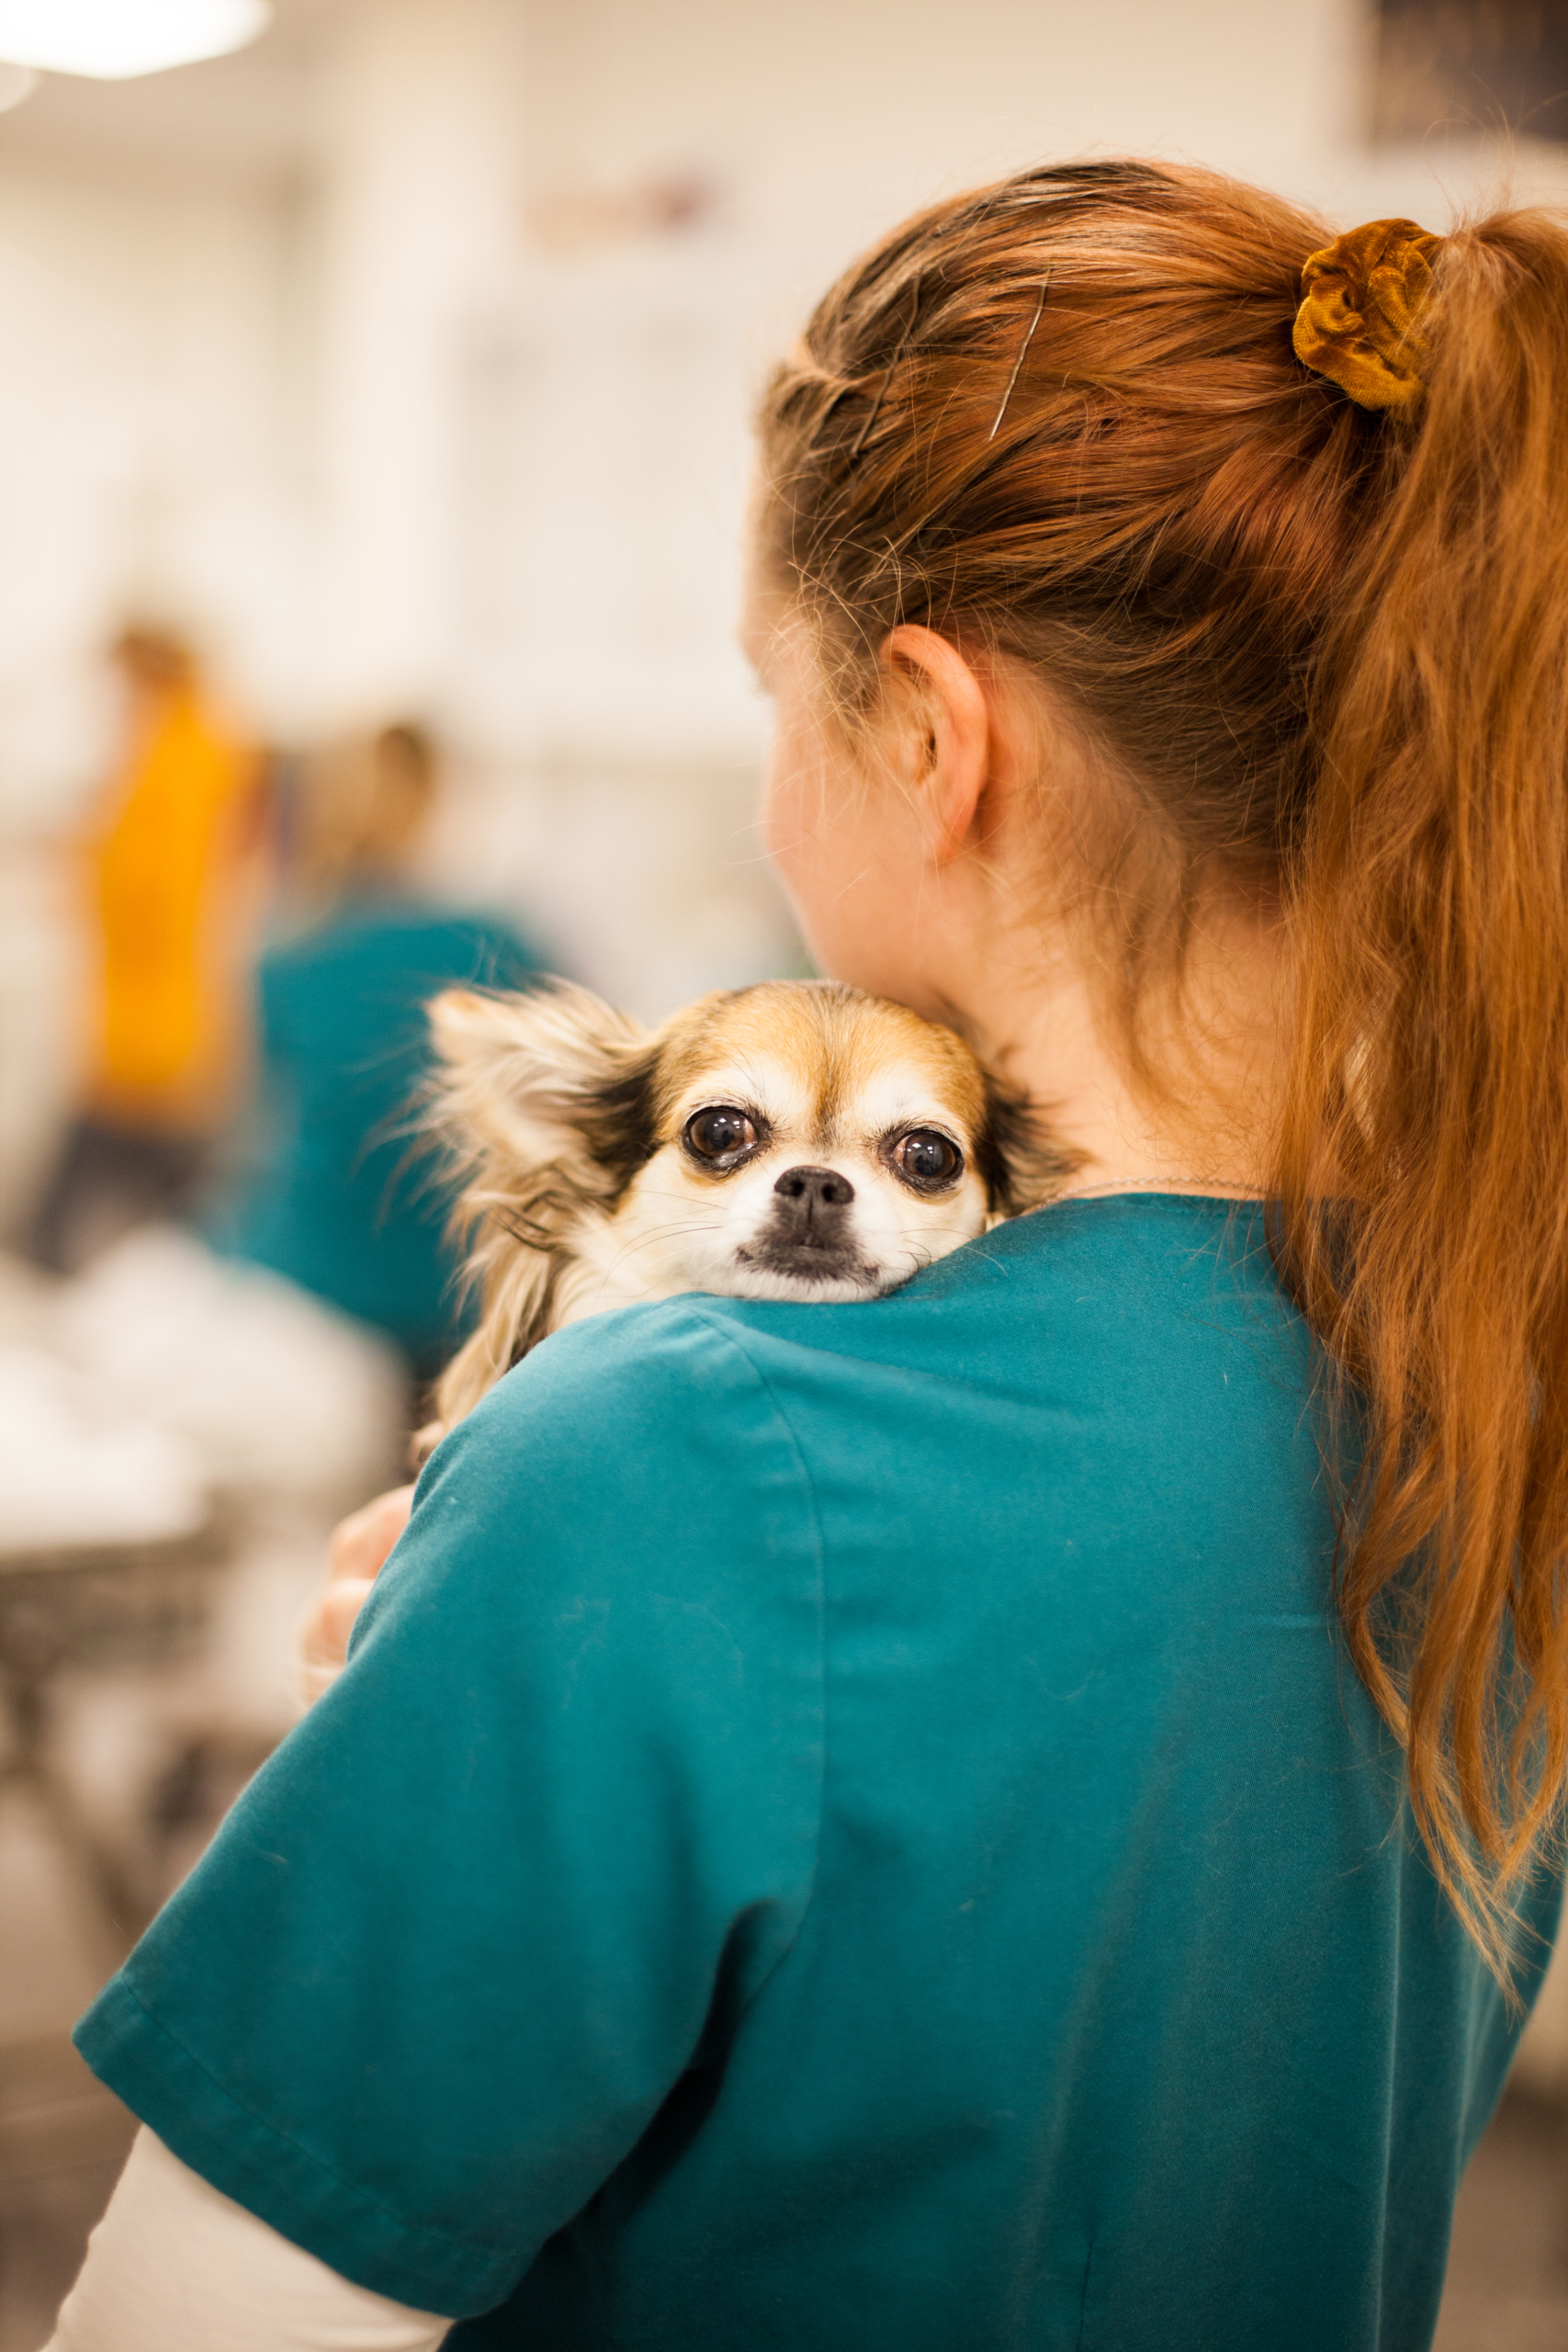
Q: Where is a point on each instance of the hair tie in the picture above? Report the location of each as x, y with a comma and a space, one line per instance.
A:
1360, 319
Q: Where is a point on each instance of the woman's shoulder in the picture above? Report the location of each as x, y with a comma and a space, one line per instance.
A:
635, 1376
1056, 1294
627, 1509
1155, 1298
635, 1434
1120, 1384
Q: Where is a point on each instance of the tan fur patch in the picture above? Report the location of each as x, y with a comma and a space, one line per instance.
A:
830, 1038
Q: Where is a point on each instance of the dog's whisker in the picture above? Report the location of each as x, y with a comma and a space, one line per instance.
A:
658, 1233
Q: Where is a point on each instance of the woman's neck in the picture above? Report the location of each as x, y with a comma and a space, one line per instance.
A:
1193, 1108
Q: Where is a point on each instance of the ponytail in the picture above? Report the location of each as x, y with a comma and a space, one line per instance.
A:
1303, 568
1429, 1097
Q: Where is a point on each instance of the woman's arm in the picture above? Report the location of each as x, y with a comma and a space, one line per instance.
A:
176, 2267
460, 1939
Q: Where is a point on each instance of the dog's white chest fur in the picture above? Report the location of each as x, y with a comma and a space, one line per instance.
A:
604, 1272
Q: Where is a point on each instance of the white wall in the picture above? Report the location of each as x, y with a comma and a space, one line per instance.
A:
142, 450
417, 199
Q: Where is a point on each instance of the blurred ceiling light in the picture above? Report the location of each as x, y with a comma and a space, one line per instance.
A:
113, 40
17, 83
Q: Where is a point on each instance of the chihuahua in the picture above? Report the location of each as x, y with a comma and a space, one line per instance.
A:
794, 1140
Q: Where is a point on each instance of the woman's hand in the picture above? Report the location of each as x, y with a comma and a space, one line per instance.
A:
355, 1555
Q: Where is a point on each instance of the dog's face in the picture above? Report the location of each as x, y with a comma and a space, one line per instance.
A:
809, 1144
796, 1140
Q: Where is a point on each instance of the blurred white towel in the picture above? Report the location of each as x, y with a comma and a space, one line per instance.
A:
78, 1469
276, 1391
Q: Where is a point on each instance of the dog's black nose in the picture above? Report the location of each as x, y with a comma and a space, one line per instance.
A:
815, 1188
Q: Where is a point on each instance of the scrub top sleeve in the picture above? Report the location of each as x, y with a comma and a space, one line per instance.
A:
552, 1827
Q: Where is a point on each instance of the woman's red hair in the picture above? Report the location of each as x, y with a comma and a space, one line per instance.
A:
1323, 655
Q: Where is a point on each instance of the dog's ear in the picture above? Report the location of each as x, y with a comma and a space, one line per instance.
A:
1019, 1163
544, 1104
554, 1075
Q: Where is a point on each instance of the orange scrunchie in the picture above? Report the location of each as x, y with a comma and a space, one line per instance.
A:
1360, 319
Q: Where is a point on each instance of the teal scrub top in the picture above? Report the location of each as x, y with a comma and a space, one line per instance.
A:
852, 1829
344, 1200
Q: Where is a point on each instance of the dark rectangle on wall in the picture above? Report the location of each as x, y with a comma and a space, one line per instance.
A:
1488, 66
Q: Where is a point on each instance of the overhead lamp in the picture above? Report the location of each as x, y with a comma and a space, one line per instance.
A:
110, 40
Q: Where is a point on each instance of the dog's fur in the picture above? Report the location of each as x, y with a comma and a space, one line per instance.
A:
578, 1137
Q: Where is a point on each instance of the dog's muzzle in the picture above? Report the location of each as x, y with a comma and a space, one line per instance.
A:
810, 1236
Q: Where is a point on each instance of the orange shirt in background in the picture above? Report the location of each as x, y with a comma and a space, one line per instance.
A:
165, 872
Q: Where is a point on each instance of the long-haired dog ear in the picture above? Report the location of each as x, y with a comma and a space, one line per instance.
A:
544, 1105
554, 1076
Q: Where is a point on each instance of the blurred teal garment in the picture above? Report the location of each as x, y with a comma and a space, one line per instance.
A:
852, 1829
345, 1201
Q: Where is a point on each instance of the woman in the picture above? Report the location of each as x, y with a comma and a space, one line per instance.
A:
997, 1818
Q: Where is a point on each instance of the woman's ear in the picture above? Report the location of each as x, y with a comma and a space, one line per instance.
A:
943, 715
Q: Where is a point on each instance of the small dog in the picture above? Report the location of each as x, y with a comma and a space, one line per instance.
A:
794, 1140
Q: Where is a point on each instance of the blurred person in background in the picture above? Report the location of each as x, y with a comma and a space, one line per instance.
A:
286, 1326
168, 863
340, 1199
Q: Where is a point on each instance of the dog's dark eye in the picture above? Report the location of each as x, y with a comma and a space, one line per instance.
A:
928, 1161
719, 1135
